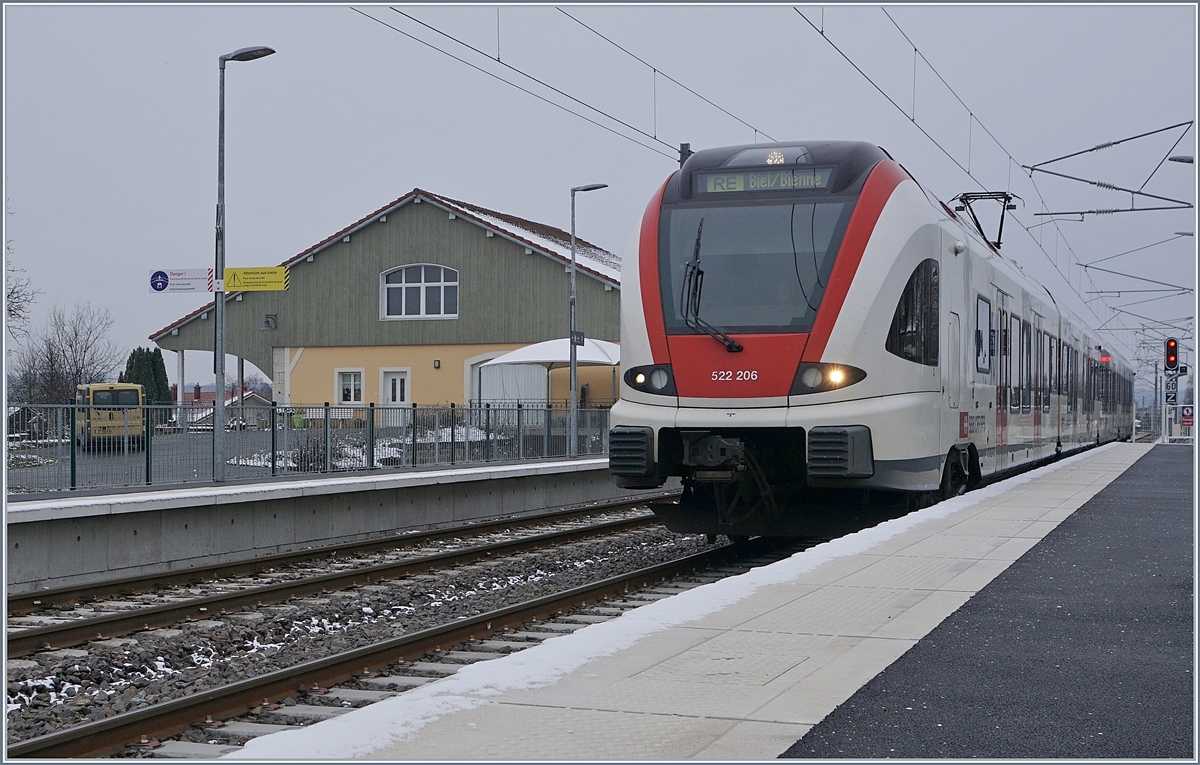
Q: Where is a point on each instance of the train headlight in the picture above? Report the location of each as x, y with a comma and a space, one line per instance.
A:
656, 379
818, 378
811, 377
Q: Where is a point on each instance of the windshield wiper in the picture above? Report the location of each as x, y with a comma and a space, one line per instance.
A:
689, 298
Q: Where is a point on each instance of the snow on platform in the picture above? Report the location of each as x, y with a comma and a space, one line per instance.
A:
736, 669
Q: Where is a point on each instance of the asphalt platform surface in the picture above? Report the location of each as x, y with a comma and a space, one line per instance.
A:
1082, 648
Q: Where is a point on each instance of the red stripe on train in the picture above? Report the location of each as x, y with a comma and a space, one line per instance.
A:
648, 271
878, 188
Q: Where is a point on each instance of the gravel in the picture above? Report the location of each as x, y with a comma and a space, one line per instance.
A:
50, 691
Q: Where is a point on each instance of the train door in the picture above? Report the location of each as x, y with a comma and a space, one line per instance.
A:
1038, 388
983, 391
953, 380
1004, 354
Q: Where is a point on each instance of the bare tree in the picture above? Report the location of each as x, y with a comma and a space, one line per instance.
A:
19, 295
256, 383
71, 349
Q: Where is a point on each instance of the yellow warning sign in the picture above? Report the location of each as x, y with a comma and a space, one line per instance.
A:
256, 279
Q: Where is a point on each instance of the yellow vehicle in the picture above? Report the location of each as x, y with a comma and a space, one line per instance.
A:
108, 413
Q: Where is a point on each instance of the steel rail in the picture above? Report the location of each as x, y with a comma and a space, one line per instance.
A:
112, 734
27, 602
77, 631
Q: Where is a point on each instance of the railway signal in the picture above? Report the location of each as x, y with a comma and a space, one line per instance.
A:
1172, 354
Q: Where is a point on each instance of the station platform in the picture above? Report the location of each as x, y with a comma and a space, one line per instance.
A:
744, 668
66, 539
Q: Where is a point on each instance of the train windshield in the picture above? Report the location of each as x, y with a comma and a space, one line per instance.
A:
765, 265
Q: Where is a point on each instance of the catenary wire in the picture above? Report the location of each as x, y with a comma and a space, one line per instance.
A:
513, 84
1110, 144
663, 74
951, 157
1037, 189
544, 84
1165, 157
1130, 252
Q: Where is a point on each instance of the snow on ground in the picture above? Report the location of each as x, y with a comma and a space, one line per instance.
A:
269, 488
379, 725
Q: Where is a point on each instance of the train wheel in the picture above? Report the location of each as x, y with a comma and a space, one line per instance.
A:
954, 478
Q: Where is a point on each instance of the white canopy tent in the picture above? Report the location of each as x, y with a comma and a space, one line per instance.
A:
556, 354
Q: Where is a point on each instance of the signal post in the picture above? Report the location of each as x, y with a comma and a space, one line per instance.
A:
1171, 410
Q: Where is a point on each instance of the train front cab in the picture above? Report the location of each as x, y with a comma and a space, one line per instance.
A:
794, 423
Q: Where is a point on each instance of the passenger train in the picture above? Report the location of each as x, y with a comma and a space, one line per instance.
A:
810, 340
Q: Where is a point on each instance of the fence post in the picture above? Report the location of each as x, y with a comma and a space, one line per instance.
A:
125, 444
490, 454
437, 435
453, 422
414, 434
520, 435
371, 436
274, 430
74, 411
147, 421
327, 455
605, 428
546, 449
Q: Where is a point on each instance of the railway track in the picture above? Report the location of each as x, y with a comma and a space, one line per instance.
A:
380, 669
76, 631
20, 604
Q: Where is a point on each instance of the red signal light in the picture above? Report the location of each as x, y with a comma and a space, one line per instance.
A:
1172, 360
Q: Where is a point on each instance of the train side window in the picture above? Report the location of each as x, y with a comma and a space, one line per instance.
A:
1087, 384
1076, 379
1026, 366
1051, 384
914, 331
1016, 371
1058, 367
1005, 361
1039, 368
985, 336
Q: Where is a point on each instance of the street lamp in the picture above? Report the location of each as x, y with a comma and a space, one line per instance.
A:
576, 337
242, 54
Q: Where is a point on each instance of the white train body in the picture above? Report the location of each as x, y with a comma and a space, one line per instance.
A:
937, 361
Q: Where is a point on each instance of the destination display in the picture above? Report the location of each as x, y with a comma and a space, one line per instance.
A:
782, 179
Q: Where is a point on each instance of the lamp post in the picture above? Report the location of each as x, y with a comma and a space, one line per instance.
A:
573, 426
242, 54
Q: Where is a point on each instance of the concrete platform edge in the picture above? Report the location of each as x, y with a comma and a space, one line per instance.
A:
387, 730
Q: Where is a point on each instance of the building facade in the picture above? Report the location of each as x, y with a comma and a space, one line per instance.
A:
403, 306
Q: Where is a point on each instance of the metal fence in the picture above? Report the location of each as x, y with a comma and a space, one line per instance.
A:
158, 445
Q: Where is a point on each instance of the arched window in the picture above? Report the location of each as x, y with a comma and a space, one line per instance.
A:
914, 331
422, 291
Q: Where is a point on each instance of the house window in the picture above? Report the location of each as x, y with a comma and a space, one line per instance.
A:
349, 386
422, 291
914, 331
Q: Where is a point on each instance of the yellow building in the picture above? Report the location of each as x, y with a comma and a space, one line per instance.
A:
404, 305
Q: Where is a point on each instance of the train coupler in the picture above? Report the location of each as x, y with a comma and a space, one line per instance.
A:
713, 459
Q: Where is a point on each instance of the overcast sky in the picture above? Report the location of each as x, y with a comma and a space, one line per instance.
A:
110, 120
